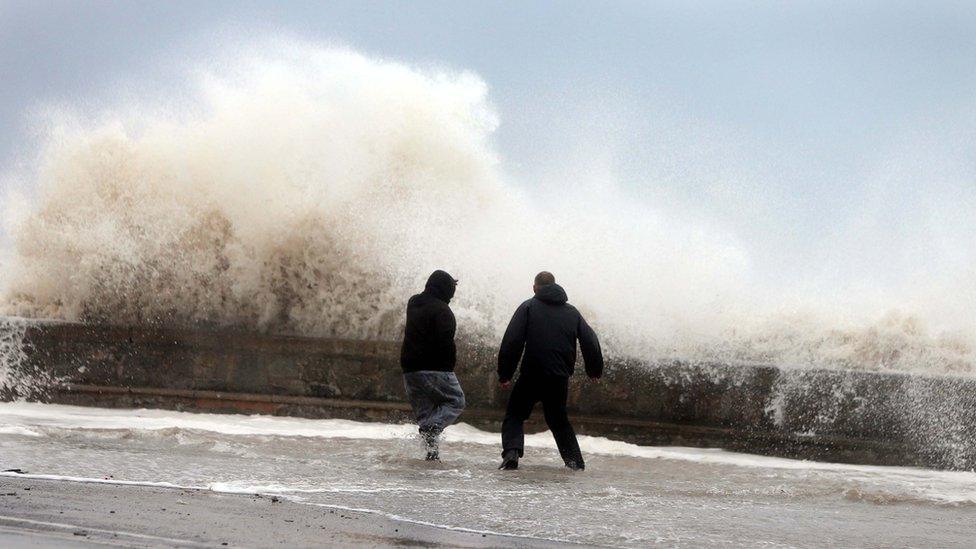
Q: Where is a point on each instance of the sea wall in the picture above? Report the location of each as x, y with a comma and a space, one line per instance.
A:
857, 417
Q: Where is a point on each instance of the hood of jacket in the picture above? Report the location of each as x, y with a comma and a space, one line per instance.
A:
441, 285
554, 294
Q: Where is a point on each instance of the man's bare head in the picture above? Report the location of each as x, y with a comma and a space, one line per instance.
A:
544, 278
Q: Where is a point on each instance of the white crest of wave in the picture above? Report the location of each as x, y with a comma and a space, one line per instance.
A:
294, 196
311, 190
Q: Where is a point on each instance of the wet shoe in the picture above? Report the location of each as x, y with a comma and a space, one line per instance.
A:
431, 443
509, 460
574, 465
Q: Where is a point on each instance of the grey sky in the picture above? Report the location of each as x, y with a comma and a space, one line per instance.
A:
774, 119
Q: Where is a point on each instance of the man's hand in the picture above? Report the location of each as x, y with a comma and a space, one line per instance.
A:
507, 384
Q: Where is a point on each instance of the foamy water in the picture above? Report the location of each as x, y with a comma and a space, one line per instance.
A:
296, 188
629, 495
19, 416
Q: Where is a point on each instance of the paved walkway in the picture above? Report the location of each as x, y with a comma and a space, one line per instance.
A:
44, 513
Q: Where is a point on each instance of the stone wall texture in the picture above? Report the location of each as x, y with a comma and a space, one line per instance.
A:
856, 417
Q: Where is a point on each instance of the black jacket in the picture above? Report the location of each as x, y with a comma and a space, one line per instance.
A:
546, 329
428, 339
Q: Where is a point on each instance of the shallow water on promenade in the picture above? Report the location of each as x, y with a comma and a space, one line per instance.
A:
628, 496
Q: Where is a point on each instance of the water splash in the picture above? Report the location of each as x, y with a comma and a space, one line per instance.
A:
310, 190
18, 377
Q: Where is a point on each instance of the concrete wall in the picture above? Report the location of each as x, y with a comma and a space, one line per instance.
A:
815, 414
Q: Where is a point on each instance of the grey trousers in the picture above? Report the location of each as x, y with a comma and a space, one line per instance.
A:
436, 398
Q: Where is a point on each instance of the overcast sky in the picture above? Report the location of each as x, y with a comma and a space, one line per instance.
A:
777, 117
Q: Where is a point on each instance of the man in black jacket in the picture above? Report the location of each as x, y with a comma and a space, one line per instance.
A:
427, 358
543, 334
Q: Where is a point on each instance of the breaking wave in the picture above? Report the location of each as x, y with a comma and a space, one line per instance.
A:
310, 190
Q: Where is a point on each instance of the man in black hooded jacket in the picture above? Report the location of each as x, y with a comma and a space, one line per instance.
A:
428, 356
543, 334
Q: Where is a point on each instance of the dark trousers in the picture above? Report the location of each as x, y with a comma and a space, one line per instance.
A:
552, 392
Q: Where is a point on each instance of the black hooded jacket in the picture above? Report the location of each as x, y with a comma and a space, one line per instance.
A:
546, 328
428, 339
